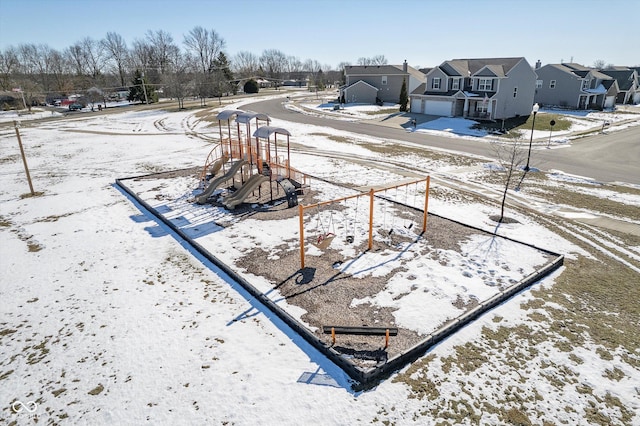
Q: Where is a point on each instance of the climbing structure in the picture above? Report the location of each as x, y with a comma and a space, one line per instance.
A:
238, 159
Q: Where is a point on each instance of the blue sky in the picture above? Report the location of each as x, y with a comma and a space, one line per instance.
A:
424, 32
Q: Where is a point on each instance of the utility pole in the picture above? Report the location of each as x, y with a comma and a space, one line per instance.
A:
24, 159
144, 89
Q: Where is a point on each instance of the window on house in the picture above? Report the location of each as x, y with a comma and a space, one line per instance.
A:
585, 84
481, 107
485, 84
384, 80
515, 92
538, 84
435, 83
455, 84
552, 84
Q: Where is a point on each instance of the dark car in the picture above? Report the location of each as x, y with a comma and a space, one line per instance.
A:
75, 107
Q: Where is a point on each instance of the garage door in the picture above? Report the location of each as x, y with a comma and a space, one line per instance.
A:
416, 106
442, 108
609, 101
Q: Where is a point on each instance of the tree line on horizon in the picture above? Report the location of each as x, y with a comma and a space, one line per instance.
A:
197, 67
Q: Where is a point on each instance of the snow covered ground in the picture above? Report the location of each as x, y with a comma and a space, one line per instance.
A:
107, 319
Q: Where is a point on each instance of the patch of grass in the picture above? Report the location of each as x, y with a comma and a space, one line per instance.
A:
97, 390
30, 195
383, 111
614, 374
516, 124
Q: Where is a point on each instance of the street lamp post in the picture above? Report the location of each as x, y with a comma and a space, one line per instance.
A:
535, 109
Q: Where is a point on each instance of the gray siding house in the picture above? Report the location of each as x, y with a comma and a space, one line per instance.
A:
385, 79
488, 89
628, 84
571, 85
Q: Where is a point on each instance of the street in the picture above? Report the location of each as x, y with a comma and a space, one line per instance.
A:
610, 157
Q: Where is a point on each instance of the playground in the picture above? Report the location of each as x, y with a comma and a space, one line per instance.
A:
368, 277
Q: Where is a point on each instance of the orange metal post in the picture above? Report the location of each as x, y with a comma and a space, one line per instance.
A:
333, 336
371, 218
386, 339
426, 204
301, 213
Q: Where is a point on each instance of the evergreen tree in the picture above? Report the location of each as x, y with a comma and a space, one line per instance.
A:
140, 91
404, 98
320, 80
222, 75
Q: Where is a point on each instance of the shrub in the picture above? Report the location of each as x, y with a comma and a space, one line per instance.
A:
251, 86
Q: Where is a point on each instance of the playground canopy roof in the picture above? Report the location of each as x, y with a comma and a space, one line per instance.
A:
265, 132
241, 116
228, 114
246, 117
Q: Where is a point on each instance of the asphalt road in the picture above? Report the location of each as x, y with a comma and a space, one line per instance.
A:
610, 157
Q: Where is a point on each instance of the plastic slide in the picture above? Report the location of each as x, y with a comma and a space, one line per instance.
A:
216, 182
242, 193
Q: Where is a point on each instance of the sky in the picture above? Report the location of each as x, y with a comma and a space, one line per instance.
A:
425, 33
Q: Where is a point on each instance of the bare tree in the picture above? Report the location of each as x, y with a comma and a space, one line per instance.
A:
178, 77
313, 67
273, 62
245, 64
141, 56
117, 52
599, 64
379, 60
88, 60
375, 60
9, 64
162, 48
204, 46
60, 73
510, 157
34, 60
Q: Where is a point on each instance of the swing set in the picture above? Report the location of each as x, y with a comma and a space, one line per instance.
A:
327, 227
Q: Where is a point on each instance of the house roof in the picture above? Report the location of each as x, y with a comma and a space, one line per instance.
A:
580, 71
625, 78
420, 89
361, 82
382, 70
499, 67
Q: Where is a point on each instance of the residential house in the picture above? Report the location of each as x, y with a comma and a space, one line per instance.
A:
369, 84
628, 84
489, 89
572, 85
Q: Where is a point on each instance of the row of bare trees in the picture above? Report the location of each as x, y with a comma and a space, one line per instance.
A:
198, 66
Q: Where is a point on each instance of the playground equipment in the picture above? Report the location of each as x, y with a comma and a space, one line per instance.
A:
360, 331
241, 194
216, 182
261, 157
372, 196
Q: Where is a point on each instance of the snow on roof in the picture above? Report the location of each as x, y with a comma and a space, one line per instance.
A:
265, 132
598, 90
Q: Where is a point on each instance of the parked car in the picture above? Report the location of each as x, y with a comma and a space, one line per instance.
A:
75, 107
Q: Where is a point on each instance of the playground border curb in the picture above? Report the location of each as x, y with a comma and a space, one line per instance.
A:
366, 378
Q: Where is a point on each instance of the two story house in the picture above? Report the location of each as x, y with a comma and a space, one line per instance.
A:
488, 88
368, 84
572, 85
628, 84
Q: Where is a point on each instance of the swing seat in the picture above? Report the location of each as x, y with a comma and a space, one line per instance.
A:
324, 240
